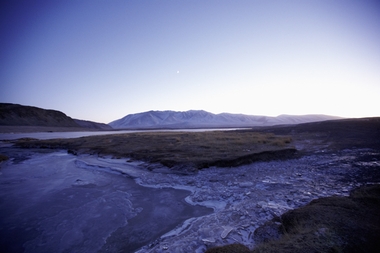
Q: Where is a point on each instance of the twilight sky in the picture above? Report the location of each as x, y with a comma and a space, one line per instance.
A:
101, 60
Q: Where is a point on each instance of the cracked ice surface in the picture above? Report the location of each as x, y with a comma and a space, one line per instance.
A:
246, 197
91, 204
57, 202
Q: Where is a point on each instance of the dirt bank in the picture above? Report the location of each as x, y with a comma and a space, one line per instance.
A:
333, 224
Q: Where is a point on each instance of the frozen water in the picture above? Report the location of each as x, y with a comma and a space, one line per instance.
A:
245, 197
55, 135
57, 202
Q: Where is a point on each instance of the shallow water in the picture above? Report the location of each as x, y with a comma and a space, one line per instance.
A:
56, 202
56, 135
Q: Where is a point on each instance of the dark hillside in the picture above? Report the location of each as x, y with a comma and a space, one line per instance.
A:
19, 115
20, 118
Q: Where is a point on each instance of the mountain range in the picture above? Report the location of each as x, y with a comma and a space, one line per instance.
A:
20, 115
203, 119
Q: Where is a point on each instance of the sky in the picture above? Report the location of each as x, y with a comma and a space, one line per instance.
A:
100, 60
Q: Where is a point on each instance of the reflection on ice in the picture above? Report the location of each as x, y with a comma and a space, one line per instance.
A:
58, 202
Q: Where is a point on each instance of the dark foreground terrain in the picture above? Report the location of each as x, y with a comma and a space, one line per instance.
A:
283, 189
331, 224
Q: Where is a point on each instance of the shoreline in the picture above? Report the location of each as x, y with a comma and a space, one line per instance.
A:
9, 133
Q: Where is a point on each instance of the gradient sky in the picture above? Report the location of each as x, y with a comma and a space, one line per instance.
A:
101, 60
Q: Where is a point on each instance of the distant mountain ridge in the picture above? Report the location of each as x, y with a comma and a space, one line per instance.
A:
203, 119
20, 115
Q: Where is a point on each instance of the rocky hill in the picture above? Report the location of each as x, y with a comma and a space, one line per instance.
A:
20, 115
203, 119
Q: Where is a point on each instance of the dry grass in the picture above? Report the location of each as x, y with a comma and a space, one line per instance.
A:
312, 238
198, 149
333, 224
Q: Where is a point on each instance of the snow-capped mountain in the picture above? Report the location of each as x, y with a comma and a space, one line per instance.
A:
203, 119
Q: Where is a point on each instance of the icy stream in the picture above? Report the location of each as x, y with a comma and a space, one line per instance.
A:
56, 202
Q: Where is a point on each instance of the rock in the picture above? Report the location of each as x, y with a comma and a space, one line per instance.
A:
72, 152
271, 230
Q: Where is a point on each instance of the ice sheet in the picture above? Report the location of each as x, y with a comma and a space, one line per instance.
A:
58, 202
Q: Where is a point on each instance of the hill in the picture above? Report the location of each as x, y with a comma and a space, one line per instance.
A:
15, 115
203, 119
20, 115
